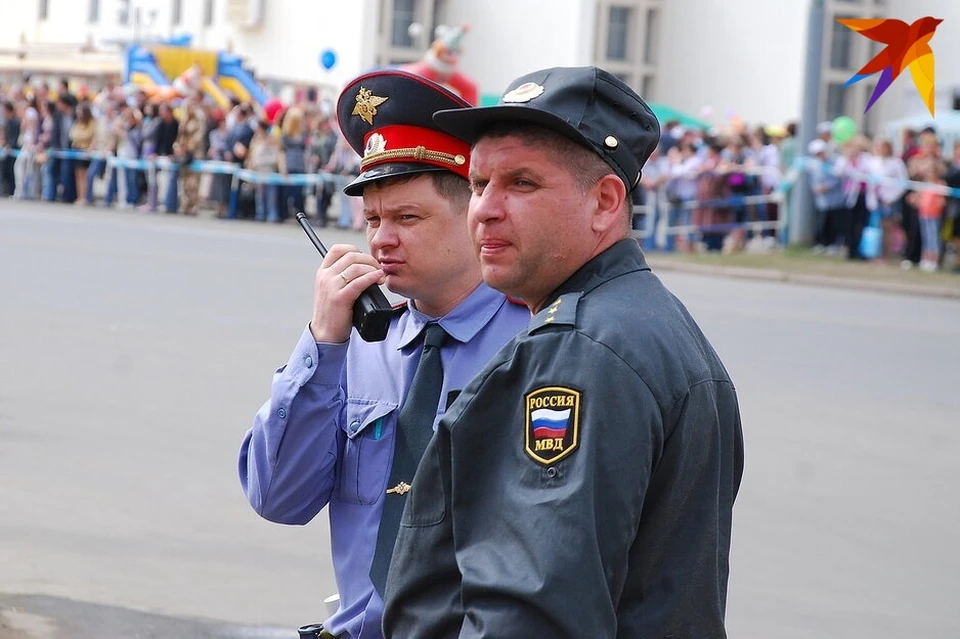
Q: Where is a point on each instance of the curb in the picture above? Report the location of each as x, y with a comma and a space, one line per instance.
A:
773, 275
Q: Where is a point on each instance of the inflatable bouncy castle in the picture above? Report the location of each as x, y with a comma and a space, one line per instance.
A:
177, 70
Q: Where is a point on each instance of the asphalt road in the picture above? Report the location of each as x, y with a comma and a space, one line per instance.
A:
135, 349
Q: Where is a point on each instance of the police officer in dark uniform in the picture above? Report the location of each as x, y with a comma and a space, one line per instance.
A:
582, 485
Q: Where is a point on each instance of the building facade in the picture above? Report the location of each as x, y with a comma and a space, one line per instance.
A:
713, 59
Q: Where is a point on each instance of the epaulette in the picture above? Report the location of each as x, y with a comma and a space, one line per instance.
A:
563, 312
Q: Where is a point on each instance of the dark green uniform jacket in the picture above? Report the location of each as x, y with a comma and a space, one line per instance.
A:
582, 485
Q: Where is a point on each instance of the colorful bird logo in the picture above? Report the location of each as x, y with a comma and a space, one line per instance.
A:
907, 46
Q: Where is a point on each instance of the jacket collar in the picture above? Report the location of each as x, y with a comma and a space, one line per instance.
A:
623, 257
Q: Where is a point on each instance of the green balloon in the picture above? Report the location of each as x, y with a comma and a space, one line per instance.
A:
843, 128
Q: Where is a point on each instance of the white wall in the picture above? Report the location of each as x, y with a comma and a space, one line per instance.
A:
286, 46
530, 35
745, 56
294, 33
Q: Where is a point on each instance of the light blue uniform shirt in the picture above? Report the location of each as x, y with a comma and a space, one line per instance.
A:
326, 434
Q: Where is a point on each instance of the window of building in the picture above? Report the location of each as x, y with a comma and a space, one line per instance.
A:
123, 12
651, 42
836, 100
403, 16
208, 13
42, 9
618, 33
93, 16
176, 13
441, 14
647, 87
841, 44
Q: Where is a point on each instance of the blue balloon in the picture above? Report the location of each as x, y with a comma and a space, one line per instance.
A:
328, 59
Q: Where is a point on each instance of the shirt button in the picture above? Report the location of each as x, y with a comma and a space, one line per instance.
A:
308, 361
282, 413
354, 425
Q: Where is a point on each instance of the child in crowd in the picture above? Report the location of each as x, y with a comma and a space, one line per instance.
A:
930, 206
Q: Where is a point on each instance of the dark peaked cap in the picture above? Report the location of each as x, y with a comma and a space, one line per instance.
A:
587, 104
387, 117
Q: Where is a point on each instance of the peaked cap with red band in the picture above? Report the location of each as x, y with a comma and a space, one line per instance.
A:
387, 117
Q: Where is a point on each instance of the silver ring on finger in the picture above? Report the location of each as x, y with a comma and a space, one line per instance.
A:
343, 276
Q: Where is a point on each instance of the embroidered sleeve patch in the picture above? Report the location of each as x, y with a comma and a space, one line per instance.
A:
553, 423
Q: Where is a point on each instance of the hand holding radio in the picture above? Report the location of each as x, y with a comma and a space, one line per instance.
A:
346, 293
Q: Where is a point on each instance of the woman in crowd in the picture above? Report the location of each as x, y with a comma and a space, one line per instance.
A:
48, 163
130, 146
82, 135
926, 161
104, 146
293, 145
217, 151
854, 164
263, 157
345, 161
149, 127
930, 206
684, 166
26, 171
883, 200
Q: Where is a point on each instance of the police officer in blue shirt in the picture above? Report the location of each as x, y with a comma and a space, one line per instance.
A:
582, 485
341, 428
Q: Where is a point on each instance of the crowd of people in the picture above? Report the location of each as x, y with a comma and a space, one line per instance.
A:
55, 144
701, 182
717, 191
862, 184
703, 190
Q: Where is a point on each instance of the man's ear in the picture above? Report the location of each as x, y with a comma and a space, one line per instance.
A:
611, 195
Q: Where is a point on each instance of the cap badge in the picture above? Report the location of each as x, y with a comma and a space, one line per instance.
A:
523, 93
367, 104
375, 144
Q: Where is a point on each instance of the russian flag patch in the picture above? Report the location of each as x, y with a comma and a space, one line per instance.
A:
552, 423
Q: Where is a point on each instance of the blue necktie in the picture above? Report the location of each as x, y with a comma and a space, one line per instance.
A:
414, 430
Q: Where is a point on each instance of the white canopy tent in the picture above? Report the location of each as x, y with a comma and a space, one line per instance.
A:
946, 124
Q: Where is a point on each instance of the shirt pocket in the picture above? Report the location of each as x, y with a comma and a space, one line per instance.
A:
367, 452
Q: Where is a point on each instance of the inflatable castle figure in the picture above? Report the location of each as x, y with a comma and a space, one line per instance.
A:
190, 82
440, 63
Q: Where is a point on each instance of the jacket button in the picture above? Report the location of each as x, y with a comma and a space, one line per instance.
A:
282, 413
551, 472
